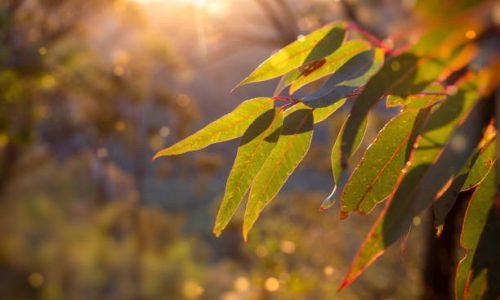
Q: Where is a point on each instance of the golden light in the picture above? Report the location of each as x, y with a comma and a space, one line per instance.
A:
470, 34
214, 7
272, 284
198, 3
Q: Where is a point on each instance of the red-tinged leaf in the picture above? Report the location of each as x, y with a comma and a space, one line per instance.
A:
397, 72
392, 222
313, 47
432, 94
406, 74
478, 273
452, 159
255, 146
377, 173
348, 79
332, 64
468, 178
340, 172
228, 127
293, 144
486, 158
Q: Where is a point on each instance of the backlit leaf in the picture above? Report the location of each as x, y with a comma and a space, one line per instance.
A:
322, 113
468, 178
478, 274
418, 101
404, 75
452, 159
293, 144
228, 127
393, 221
308, 49
377, 173
340, 172
347, 79
332, 64
256, 144
486, 158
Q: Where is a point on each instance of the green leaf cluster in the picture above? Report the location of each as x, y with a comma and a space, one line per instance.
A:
440, 144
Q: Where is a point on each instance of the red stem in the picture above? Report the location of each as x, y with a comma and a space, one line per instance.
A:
373, 39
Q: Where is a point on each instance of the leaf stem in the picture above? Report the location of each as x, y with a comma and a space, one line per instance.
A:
373, 39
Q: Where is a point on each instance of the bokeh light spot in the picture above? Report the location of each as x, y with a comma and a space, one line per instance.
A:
192, 290
241, 284
470, 34
287, 247
36, 279
272, 284
328, 270
164, 131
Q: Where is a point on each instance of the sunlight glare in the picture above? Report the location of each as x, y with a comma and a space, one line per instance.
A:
197, 3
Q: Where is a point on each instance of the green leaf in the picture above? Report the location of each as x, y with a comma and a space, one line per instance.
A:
404, 75
322, 113
292, 146
376, 175
338, 94
228, 127
477, 212
486, 158
468, 178
256, 144
331, 64
454, 156
418, 101
340, 174
308, 49
393, 221
478, 272
347, 79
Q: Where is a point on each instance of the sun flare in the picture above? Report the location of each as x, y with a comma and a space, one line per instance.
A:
198, 3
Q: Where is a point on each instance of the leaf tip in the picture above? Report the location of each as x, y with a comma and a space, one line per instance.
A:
217, 232
344, 214
157, 155
345, 283
329, 201
245, 233
242, 83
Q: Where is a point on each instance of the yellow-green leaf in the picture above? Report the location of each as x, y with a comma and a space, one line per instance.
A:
331, 64
393, 221
377, 173
404, 75
308, 49
347, 79
293, 144
322, 113
340, 174
256, 144
486, 158
228, 127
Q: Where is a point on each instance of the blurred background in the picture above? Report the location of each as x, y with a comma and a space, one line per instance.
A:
91, 89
